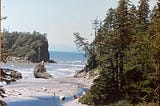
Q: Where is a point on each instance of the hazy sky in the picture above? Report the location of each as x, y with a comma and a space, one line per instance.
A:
58, 18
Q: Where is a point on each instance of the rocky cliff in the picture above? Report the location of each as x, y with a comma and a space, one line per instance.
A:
26, 46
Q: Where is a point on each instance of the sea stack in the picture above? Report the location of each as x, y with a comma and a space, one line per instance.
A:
40, 71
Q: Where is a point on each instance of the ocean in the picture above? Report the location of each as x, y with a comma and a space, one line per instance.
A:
66, 65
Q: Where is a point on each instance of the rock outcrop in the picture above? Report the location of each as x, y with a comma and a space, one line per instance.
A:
51, 61
8, 75
40, 71
80, 74
26, 46
2, 103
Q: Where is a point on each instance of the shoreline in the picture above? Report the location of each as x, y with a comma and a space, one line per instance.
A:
27, 89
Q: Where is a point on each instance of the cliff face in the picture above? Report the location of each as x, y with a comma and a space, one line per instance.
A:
26, 46
41, 52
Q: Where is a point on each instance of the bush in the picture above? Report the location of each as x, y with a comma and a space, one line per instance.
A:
87, 99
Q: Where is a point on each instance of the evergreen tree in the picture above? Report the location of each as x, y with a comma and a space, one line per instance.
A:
143, 15
133, 19
155, 44
89, 50
104, 39
127, 51
104, 90
123, 31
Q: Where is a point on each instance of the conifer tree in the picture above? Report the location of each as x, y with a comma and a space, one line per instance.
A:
126, 48
123, 31
143, 15
104, 39
104, 89
158, 51
133, 18
155, 42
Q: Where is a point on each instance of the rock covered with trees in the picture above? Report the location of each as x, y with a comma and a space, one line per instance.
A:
126, 51
25, 46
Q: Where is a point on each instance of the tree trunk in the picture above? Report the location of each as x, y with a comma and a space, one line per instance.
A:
113, 69
121, 68
158, 90
116, 68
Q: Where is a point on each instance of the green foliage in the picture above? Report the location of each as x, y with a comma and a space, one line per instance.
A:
86, 99
143, 15
125, 103
30, 46
103, 91
127, 50
89, 50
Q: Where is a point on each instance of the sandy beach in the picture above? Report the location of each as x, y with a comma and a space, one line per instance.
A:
27, 89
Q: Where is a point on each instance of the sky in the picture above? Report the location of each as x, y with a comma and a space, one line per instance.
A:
58, 18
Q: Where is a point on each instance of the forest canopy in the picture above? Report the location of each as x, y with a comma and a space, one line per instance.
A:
126, 54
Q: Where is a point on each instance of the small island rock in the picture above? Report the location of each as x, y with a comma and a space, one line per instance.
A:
40, 71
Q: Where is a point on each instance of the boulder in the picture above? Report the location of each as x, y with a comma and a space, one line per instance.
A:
9, 75
16, 75
75, 96
51, 61
62, 98
2, 103
79, 74
40, 71
83, 93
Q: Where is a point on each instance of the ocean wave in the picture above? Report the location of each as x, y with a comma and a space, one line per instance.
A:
73, 65
65, 70
70, 61
67, 64
76, 61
